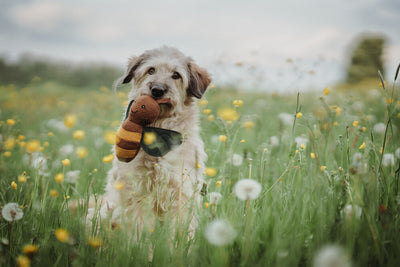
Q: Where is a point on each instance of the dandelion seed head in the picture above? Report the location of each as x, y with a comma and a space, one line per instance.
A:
72, 176
220, 232
379, 128
397, 153
214, 198
301, 140
388, 159
12, 212
286, 119
236, 160
351, 211
274, 141
247, 189
331, 256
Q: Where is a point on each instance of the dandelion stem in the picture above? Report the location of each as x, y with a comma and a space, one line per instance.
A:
250, 161
247, 230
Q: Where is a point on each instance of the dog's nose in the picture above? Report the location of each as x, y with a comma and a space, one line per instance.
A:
158, 90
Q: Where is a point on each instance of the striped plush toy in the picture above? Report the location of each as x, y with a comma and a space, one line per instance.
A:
134, 134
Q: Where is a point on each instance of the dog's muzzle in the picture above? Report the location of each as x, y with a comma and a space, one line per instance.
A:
158, 90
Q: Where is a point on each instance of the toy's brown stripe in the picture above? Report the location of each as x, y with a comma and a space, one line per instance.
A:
122, 143
129, 136
125, 153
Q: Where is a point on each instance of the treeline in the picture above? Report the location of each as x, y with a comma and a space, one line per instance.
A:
28, 68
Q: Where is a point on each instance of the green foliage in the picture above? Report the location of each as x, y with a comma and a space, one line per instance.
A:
306, 203
366, 59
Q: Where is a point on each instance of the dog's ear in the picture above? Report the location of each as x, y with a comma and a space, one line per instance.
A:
134, 63
199, 80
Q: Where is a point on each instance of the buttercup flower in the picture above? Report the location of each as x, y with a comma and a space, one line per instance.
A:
108, 158
82, 152
211, 171
29, 249
78, 135
13, 185
23, 261
228, 114
247, 189
66, 162
109, 136
32, 146
62, 235
59, 178
222, 138
12, 212
94, 242
10, 122
326, 91
70, 120
220, 233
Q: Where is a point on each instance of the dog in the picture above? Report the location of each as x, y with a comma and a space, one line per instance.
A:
147, 189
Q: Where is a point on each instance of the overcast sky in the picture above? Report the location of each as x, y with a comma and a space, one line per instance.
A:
315, 35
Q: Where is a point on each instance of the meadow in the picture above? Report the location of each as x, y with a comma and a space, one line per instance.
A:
327, 163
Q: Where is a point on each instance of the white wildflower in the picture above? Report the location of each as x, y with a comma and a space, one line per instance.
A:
301, 140
357, 157
12, 212
379, 128
286, 119
332, 256
66, 150
220, 232
351, 211
236, 160
247, 189
388, 159
274, 141
72, 176
214, 198
397, 153
37, 161
358, 106
57, 125
215, 139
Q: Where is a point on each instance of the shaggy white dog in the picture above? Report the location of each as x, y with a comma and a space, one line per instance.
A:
149, 188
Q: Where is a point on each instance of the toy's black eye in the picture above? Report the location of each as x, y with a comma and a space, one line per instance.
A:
176, 76
151, 71
143, 106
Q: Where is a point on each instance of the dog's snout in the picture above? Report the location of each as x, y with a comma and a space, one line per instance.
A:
158, 90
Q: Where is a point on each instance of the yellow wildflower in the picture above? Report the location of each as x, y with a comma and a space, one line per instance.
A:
302, 146
364, 129
327, 91
312, 155
228, 114
237, 103
78, 135
32, 146
10, 122
355, 123
362, 146
338, 111
14, 185
108, 158
207, 111
242, 141
22, 179
299, 115
21, 137
66, 162
7, 154
206, 205
22, 144
265, 149
82, 152
46, 144
210, 117
50, 134
211, 171
94, 242
62, 235
198, 166
23, 261
10, 143
219, 183
222, 138
29, 249
382, 85
54, 193
70, 120
59, 178
248, 124
323, 168
335, 123
109, 136
389, 100
203, 102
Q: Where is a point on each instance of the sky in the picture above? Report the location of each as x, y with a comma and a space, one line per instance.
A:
285, 45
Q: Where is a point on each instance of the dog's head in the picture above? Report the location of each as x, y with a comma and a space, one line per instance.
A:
166, 73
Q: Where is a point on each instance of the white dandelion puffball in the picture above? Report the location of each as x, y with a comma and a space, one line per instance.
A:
388, 159
12, 212
352, 211
332, 256
220, 232
72, 176
286, 118
237, 159
274, 141
301, 140
215, 197
66, 150
247, 189
379, 128
397, 153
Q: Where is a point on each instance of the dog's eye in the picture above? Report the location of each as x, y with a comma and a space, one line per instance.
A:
151, 71
143, 106
176, 76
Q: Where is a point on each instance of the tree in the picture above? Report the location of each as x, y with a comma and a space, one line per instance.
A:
366, 59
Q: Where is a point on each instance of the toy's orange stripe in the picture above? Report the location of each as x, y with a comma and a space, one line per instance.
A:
128, 136
124, 153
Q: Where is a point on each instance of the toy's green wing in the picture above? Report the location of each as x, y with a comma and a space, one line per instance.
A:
157, 141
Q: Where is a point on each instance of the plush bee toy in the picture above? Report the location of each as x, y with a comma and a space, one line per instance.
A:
134, 134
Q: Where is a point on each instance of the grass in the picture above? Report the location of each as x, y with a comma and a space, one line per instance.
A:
305, 189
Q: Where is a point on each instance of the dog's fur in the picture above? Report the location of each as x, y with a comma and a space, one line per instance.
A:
153, 188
